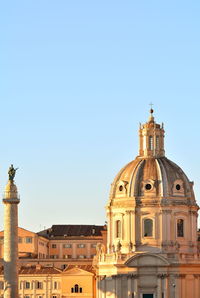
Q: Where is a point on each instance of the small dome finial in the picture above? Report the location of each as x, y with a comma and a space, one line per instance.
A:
151, 118
151, 110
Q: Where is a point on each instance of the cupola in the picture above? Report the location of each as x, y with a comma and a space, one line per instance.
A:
151, 138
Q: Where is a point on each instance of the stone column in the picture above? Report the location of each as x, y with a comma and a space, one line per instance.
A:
183, 286
196, 285
118, 286
177, 287
136, 286
172, 286
11, 202
166, 286
103, 288
159, 286
129, 287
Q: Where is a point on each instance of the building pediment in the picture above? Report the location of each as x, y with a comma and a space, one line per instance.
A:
140, 260
77, 271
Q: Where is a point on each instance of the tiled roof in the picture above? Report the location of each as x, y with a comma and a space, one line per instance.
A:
88, 268
38, 270
72, 231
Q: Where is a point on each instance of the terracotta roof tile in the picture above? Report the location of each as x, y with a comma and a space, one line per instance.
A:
72, 231
38, 270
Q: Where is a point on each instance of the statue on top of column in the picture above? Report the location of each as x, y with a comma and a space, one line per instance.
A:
12, 172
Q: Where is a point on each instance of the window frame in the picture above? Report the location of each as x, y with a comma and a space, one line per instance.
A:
28, 240
81, 245
118, 228
27, 283
151, 142
143, 227
183, 221
67, 245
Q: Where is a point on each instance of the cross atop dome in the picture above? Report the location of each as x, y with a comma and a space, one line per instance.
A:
151, 117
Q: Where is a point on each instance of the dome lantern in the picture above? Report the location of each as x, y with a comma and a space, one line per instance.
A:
151, 138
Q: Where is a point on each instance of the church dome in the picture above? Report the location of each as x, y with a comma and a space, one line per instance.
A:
151, 177
151, 173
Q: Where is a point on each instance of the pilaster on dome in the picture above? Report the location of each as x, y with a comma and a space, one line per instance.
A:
151, 138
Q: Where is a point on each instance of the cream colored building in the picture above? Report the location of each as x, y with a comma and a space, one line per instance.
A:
152, 247
37, 281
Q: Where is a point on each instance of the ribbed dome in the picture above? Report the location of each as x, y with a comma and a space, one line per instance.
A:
151, 177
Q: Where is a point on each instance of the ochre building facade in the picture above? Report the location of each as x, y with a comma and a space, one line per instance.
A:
56, 262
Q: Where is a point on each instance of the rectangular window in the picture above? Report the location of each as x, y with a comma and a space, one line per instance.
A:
20, 240
67, 256
93, 245
54, 296
180, 228
118, 229
28, 239
55, 285
38, 285
80, 245
81, 257
150, 143
53, 245
53, 256
67, 245
27, 285
157, 142
148, 227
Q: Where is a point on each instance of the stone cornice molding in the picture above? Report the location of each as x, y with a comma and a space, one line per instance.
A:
11, 201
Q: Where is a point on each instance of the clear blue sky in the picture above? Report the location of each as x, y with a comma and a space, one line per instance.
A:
76, 78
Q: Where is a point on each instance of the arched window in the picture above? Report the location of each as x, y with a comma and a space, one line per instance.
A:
150, 143
148, 227
180, 228
118, 229
157, 142
76, 289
